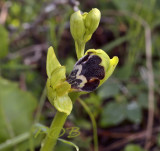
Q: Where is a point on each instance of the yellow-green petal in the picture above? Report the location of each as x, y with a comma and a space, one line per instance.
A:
63, 88
52, 61
113, 63
51, 93
57, 76
63, 104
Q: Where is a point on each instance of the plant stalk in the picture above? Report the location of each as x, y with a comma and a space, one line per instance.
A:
56, 126
80, 46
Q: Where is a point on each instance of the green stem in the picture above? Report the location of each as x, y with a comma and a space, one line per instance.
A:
13, 141
80, 46
93, 123
57, 124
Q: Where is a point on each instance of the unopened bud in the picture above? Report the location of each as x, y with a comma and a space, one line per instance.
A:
92, 20
77, 26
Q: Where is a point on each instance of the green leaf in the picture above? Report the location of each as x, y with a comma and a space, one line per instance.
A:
39, 128
16, 110
69, 143
134, 113
125, 72
132, 147
124, 5
63, 104
108, 89
158, 139
113, 113
52, 61
83, 144
93, 99
4, 42
94, 102
134, 90
143, 100
60, 146
83, 123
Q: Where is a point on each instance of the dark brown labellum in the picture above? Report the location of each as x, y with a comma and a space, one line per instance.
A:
87, 73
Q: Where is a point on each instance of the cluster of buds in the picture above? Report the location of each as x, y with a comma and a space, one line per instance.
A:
82, 27
91, 70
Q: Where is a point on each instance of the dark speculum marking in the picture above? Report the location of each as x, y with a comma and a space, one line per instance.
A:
82, 60
72, 79
76, 83
91, 85
91, 70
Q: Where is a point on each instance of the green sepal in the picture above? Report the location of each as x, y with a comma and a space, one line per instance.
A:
52, 61
113, 63
51, 93
57, 76
57, 87
63, 88
63, 104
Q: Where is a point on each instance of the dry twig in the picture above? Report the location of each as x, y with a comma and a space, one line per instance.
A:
4, 12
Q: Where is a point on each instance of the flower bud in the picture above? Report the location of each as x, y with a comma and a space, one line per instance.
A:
91, 70
77, 26
91, 22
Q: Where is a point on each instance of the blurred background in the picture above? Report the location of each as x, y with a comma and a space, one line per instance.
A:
126, 107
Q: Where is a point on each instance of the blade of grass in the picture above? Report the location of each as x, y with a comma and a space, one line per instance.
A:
95, 137
116, 42
69, 143
14, 141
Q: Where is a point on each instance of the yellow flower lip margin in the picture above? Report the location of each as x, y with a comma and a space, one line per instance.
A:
108, 64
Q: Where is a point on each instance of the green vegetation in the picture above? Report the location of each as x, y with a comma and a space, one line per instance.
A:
126, 107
